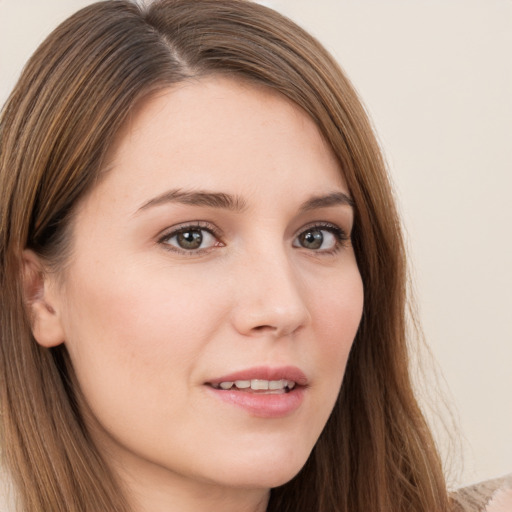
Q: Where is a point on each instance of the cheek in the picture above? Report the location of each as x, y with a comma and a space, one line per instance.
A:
138, 326
335, 320
337, 309
135, 343
336, 314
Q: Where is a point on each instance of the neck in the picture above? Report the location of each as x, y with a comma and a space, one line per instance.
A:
158, 490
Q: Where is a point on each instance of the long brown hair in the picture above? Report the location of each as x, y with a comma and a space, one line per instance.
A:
376, 452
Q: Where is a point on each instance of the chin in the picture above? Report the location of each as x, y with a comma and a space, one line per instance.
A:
265, 470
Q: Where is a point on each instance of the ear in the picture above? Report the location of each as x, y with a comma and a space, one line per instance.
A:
41, 300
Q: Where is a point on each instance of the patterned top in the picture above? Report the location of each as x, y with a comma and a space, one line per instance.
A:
489, 496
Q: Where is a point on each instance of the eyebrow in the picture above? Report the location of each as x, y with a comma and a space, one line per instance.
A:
325, 201
198, 198
236, 203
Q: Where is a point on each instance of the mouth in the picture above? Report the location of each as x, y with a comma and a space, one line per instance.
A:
262, 379
262, 391
260, 386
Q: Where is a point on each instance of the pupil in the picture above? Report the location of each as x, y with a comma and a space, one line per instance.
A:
190, 239
312, 239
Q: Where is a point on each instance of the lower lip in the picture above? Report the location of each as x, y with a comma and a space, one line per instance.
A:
262, 405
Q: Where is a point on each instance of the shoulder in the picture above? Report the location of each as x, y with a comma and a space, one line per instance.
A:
489, 496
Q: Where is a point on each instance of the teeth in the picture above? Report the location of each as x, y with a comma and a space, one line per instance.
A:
277, 384
257, 384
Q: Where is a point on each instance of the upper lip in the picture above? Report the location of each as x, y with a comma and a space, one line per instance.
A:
290, 373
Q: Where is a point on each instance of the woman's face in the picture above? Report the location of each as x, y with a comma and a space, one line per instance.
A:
213, 254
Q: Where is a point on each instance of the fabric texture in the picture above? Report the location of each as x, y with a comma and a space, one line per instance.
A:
501, 502
489, 496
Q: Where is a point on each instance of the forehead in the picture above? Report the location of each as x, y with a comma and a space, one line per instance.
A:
220, 133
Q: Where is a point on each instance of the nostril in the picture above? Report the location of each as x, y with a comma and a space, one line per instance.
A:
260, 328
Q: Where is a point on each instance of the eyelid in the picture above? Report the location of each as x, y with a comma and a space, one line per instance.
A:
330, 226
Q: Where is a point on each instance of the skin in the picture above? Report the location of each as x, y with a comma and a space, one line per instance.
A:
148, 324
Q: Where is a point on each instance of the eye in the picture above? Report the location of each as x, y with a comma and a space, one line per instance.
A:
323, 238
192, 238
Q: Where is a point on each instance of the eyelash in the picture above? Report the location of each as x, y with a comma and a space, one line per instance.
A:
340, 235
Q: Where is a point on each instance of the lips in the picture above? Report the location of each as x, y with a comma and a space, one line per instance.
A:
262, 391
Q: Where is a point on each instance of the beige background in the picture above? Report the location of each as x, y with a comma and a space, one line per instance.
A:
436, 76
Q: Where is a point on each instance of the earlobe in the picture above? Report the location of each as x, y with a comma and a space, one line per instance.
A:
41, 302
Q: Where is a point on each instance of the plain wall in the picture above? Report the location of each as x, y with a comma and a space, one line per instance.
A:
436, 77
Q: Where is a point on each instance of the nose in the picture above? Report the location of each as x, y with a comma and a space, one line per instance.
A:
270, 298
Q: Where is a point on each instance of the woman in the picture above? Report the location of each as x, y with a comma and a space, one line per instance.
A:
202, 274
